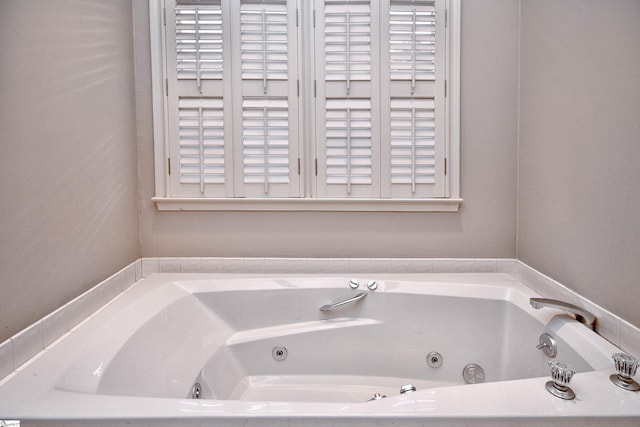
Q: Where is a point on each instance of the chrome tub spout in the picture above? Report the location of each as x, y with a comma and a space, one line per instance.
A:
356, 297
580, 314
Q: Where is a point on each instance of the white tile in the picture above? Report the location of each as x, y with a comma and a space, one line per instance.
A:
233, 265
630, 338
119, 282
27, 343
422, 265
191, 265
486, 266
464, 265
170, 265
254, 265
55, 325
212, 265
150, 266
138, 270
336, 265
443, 265
297, 265
607, 324
401, 265
508, 266
275, 265
359, 265
6, 358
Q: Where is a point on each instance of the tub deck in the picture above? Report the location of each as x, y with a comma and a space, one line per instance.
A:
137, 358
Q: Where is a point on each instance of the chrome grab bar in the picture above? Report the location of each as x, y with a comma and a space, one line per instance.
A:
580, 314
356, 297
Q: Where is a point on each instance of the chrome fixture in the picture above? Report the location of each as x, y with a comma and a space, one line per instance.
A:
354, 283
279, 353
473, 374
196, 391
561, 374
581, 314
357, 297
548, 345
372, 285
626, 365
434, 359
407, 388
377, 396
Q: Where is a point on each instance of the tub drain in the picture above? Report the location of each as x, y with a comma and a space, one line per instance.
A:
279, 352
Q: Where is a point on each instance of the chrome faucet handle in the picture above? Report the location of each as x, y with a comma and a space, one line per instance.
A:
626, 365
561, 373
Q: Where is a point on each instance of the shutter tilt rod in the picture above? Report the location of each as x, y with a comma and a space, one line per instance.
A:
348, 58
264, 51
413, 149
266, 151
413, 53
349, 150
201, 142
197, 42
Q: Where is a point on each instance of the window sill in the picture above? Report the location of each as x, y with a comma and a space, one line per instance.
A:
308, 205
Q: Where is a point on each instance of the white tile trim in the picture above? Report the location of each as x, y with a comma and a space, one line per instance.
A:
27, 343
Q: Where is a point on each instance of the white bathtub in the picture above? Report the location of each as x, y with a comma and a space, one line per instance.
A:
140, 356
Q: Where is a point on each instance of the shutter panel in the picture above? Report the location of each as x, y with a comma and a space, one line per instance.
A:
199, 100
201, 140
348, 141
413, 151
265, 90
347, 132
413, 100
265, 142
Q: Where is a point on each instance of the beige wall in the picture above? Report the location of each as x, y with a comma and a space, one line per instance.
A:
579, 173
484, 227
68, 176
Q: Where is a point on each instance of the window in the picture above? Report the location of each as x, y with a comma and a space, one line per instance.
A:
306, 104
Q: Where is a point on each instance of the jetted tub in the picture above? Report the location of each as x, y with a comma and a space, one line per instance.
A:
193, 349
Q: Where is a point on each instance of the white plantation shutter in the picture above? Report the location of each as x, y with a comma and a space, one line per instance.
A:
348, 142
413, 107
232, 75
266, 99
413, 145
198, 100
412, 38
199, 41
264, 41
265, 142
363, 113
347, 32
201, 141
347, 139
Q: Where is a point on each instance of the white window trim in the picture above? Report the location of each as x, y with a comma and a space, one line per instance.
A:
164, 202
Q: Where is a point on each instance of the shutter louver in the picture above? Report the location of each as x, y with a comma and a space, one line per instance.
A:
199, 41
201, 141
413, 151
412, 28
265, 139
348, 146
